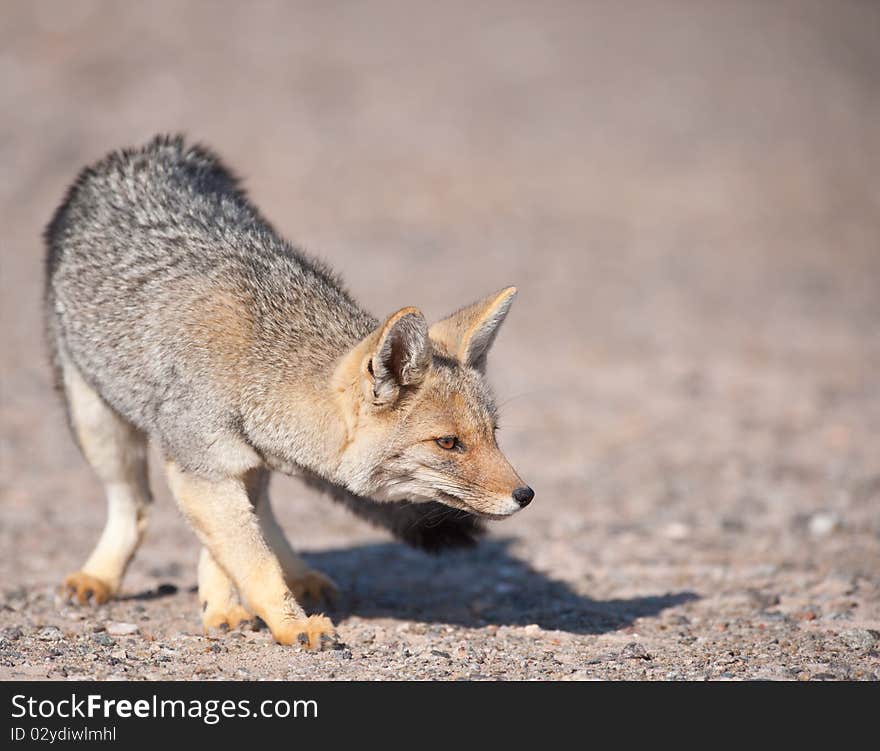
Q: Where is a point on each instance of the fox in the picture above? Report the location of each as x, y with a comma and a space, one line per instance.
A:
176, 316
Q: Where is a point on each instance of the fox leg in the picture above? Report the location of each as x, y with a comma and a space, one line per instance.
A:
224, 519
117, 451
307, 584
221, 605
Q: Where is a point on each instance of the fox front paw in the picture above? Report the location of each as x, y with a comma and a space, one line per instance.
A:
312, 587
84, 588
315, 632
224, 619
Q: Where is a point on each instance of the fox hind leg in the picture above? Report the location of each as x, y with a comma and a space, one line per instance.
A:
117, 451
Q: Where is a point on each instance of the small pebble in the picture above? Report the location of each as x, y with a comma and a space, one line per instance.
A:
103, 639
50, 633
823, 524
676, 531
120, 628
635, 651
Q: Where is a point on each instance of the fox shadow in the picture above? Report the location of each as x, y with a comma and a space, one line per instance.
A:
473, 588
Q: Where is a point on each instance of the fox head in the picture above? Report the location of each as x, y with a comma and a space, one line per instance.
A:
420, 416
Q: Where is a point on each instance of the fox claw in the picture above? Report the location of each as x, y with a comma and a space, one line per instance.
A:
315, 633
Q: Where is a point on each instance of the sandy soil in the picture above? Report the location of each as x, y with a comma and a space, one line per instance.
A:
687, 195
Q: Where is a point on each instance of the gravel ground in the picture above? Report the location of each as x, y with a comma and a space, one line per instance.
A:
687, 195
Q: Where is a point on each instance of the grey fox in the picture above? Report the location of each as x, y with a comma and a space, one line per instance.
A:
175, 313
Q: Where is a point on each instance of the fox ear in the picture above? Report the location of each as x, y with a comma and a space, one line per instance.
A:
400, 355
468, 333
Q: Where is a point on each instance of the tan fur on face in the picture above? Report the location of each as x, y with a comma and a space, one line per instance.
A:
398, 446
457, 402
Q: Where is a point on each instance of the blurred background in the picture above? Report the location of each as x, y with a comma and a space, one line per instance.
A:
686, 194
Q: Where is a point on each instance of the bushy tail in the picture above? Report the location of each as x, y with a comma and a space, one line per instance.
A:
429, 526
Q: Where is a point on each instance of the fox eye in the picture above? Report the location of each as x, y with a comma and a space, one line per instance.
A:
447, 442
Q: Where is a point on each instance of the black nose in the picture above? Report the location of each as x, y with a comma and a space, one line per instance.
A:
523, 496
